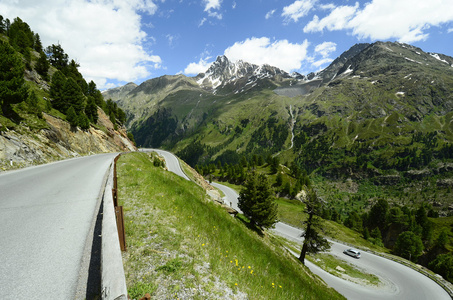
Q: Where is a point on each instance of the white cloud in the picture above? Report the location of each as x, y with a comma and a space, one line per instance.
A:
103, 36
338, 19
282, 54
211, 4
270, 14
214, 14
321, 62
450, 30
202, 22
172, 39
405, 20
324, 49
199, 67
297, 10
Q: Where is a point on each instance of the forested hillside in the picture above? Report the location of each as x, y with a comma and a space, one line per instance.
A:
40, 85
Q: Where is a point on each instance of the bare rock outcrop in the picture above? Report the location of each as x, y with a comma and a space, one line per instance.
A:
24, 147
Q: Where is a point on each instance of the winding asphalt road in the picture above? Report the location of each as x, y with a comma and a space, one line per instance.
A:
398, 281
46, 214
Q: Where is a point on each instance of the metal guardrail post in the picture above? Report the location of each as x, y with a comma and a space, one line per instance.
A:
115, 197
120, 225
119, 216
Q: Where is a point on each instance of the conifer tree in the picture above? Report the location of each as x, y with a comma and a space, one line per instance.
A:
2, 25
73, 96
408, 245
20, 36
313, 241
37, 43
12, 83
42, 66
33, 105
257, 202
71, 117
91, 110
83, 121
57, 57
57, 86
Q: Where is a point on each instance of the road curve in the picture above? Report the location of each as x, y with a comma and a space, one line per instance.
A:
398, 281
46, 213
171, 161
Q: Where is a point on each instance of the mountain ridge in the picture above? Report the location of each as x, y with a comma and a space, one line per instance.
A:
370, 94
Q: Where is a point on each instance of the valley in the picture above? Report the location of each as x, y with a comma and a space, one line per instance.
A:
373, 127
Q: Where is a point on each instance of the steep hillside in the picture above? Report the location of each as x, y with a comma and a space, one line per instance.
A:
47, 110
381, 112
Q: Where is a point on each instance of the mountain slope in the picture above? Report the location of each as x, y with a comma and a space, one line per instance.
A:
49, 113
377, 109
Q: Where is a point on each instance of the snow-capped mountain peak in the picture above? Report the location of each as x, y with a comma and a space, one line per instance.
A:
224, 72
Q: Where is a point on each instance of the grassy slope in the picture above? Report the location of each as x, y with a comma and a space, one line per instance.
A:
181, 245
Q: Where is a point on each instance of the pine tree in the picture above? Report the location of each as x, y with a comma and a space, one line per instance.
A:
313, 241
73, 96
408, 245
42, 66
33, 105
20, 36
257, 202
57, 86
71, 117
12, 83
2, 25
57, 57
83, 121
37, 43
71, 71
91, 110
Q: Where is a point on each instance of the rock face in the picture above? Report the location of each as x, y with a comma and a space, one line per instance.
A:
60, 141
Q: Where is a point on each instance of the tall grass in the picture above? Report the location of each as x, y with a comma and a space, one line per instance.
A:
182, 245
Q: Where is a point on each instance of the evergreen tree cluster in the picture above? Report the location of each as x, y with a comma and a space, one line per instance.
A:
12, 83
69, 92
408, 232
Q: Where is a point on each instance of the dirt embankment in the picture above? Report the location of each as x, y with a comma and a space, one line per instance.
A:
24, 147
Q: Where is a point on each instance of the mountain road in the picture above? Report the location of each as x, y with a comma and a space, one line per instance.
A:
46, 214
397, 281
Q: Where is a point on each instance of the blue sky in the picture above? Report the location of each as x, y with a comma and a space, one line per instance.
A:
119, 41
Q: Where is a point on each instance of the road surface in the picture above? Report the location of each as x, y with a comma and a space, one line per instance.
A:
46, 213
171, 161
398, 281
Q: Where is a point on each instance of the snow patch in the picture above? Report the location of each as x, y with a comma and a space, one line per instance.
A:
407, 58
349, 70
436, 56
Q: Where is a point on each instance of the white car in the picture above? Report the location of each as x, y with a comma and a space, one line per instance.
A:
352, 252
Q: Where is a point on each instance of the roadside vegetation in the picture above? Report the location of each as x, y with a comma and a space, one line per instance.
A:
366, 215
181, 245
35, 79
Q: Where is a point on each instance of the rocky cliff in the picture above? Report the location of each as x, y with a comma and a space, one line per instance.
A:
23, 147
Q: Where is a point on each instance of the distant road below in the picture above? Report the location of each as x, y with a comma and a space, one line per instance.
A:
46, 213
398, 281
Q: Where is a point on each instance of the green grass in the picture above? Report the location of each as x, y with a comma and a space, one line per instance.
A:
343, 269
182, 245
